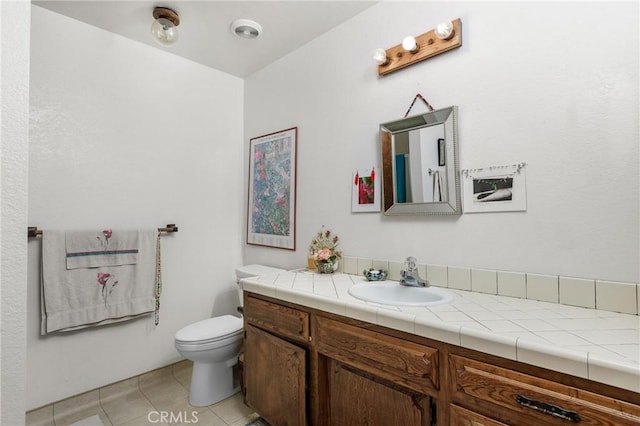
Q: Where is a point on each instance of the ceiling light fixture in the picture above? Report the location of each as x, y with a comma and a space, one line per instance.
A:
164, 27
246, 28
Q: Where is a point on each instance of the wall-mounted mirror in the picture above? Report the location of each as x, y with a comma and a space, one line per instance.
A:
420, 164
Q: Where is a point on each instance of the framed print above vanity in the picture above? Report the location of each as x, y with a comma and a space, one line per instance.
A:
271, 205
420, 172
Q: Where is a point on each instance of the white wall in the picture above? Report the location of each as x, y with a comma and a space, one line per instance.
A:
554, 85
127, 136
14, 143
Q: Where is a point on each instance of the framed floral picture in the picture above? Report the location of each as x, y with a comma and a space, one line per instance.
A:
365, 191
271, 212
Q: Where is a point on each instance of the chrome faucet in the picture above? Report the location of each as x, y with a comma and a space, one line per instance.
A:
410, 274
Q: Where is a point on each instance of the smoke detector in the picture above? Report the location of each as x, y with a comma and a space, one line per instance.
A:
246, 28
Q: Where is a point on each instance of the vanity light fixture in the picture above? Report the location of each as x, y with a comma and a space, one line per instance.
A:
446, 36
165, 25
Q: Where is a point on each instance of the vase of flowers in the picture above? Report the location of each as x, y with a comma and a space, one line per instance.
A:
325, 252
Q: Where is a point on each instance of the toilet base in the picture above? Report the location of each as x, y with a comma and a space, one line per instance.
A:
212, 382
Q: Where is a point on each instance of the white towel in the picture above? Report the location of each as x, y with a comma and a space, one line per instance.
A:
90, 249
78, 298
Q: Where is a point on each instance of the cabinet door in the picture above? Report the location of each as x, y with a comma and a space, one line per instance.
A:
357, 398
275, 378
461, 417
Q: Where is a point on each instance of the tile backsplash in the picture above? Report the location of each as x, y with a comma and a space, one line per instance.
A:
595, 294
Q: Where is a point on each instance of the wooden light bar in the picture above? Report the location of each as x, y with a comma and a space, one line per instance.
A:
429, 46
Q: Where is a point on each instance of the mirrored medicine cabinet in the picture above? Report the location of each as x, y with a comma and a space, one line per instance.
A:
420, 172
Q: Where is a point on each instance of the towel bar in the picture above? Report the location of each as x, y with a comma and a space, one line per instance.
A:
33, 231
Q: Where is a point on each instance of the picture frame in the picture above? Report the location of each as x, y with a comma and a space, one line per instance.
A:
271, 204
365, 193
494, 189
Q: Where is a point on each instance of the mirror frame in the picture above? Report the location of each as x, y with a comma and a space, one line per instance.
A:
449, 118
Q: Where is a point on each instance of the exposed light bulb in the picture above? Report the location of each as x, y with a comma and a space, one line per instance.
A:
164, 31
444, 30
165, 26
409, 44
380, 56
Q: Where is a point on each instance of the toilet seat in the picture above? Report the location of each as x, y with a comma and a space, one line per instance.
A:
210, 330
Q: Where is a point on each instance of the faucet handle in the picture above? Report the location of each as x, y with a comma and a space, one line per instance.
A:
411, 264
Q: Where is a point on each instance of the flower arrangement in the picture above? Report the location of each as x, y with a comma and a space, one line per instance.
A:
324, 250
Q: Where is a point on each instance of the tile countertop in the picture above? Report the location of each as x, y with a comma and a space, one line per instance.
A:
598, 345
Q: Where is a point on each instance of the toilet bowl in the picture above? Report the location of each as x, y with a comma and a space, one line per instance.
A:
213, 345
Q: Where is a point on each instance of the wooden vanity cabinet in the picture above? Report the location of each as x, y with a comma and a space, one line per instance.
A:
305, 366
333, 373
276, 361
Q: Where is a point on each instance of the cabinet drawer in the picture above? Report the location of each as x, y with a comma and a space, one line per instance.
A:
536, 399
281, 320
403, 362
462, 417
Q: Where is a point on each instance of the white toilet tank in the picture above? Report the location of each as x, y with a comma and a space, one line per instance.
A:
254, 270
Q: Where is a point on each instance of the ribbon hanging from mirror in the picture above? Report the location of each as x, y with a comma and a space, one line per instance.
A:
418, 96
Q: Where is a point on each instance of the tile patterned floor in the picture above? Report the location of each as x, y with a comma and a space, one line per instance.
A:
160, 397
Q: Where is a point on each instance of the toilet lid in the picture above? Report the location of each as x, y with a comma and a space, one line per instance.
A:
211, 329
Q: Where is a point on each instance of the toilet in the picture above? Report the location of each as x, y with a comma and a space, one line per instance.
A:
213, 345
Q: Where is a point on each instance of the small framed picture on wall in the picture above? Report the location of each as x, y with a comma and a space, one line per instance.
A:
495, 189
365, 192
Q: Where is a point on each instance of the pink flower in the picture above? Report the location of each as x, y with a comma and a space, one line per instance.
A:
103, 278
107, 233
324, 254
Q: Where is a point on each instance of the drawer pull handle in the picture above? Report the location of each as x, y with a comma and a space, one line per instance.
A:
549, 409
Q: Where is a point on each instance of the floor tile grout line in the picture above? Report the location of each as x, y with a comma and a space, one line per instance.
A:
102, 408
144, 395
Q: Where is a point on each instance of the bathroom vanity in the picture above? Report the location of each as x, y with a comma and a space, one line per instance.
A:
306, 364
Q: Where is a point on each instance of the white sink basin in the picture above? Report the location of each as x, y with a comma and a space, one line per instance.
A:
392, 293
